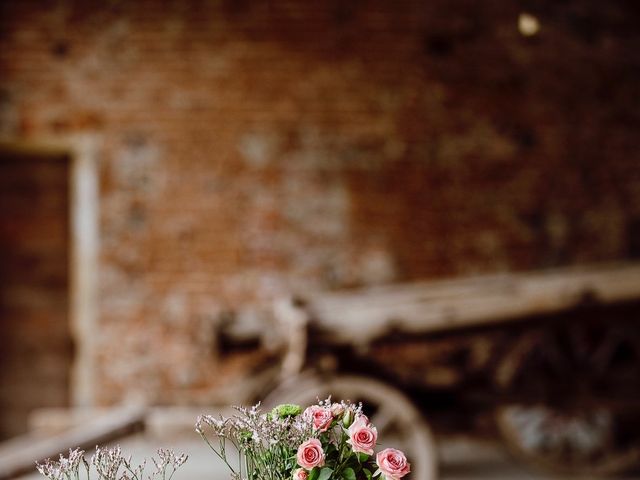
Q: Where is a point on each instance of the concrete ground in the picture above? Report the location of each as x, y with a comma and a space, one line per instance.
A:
460, 459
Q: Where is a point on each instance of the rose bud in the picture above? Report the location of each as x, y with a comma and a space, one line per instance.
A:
347, 418
300, 474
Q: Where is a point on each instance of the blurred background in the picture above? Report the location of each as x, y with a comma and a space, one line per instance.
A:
170, 169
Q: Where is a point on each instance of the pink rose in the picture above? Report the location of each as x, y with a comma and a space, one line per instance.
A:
300, 474
320, 416
310, 454
362, 436
392, 463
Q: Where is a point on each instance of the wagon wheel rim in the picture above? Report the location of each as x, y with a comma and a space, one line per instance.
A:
576, 435
399, 423
572, 443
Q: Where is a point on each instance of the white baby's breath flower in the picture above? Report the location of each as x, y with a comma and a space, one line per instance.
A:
65, 467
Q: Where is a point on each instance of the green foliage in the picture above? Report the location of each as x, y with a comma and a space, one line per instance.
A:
286, 410
325, 473
349, 474
313, 474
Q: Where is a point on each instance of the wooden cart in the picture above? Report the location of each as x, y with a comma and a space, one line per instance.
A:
553, 357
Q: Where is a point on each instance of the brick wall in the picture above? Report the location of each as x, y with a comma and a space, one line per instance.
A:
254, 148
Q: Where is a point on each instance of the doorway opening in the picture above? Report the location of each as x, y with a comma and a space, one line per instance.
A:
36, 348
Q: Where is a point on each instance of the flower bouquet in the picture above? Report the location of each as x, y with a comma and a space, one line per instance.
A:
327, 441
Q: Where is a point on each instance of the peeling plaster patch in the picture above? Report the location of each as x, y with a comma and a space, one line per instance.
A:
367, 265
137, 166
257, 284
258, 148
317, 209
174, 309
376, 266
119, 292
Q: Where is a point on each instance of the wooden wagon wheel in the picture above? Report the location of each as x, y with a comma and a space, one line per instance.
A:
400, 424
577, 434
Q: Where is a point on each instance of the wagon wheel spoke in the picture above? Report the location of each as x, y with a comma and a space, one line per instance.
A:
603, 355
510, 367
555, 356
578, 342
618, 352
604, 352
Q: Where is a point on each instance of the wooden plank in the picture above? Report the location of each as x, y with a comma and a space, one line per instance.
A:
19, 455
360, 316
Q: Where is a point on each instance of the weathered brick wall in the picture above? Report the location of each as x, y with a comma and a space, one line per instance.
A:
254, 148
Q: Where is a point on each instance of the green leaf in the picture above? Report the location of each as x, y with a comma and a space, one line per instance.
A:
313, 474
367, 472
325, 474
362, 457
349, 474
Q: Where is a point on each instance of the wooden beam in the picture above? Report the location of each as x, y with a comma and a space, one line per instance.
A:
363, 315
